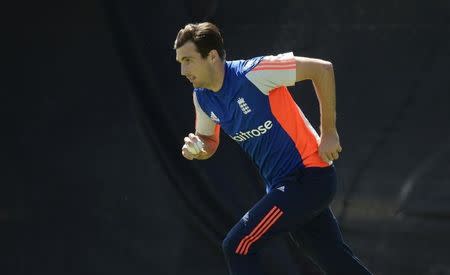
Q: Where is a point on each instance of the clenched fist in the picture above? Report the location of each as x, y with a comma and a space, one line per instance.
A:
329, 146
193, 147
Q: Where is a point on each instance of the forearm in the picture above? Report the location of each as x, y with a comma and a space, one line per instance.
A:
210, 144
325, 88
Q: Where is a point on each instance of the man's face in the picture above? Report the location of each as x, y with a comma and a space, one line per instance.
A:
196, 69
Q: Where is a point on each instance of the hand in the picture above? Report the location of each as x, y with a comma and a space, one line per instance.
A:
329, 146
193, 147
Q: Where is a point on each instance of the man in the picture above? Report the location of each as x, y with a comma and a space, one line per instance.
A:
249, 100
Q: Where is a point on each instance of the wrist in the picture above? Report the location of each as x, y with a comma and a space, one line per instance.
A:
203, 156
328, 130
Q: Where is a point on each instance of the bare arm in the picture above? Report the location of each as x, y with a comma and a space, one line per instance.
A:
322, 75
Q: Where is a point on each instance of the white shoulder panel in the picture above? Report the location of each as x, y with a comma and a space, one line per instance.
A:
273, 72
203, 123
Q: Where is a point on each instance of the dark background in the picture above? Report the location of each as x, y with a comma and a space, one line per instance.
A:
94, 112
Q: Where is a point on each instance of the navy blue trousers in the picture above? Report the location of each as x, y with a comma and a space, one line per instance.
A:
300, 206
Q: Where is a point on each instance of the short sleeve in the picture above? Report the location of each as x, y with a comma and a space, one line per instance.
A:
204, 125
273, 71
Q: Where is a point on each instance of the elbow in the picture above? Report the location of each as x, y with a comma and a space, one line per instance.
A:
327, 66
326, 70
323, 72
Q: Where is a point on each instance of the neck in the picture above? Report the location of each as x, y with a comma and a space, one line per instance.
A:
218, 77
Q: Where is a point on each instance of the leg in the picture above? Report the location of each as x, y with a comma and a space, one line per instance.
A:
291, 205
321, 238
242, 242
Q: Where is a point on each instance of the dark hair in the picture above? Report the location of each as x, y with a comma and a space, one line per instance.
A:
206, 36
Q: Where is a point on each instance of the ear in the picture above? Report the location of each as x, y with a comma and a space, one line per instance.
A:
213, 55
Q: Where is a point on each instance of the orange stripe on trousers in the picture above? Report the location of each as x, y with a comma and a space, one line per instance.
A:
253, 240
258, 232
260, 224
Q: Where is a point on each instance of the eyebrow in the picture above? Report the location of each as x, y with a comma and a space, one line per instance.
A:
184, 57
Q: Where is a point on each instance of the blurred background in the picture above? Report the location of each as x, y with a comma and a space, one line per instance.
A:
94, 112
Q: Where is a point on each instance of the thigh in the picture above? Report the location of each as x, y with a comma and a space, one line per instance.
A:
322, 229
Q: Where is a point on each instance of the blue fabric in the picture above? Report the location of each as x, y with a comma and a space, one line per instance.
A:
257, 132
302, 203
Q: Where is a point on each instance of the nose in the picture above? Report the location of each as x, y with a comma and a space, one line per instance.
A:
183, 70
